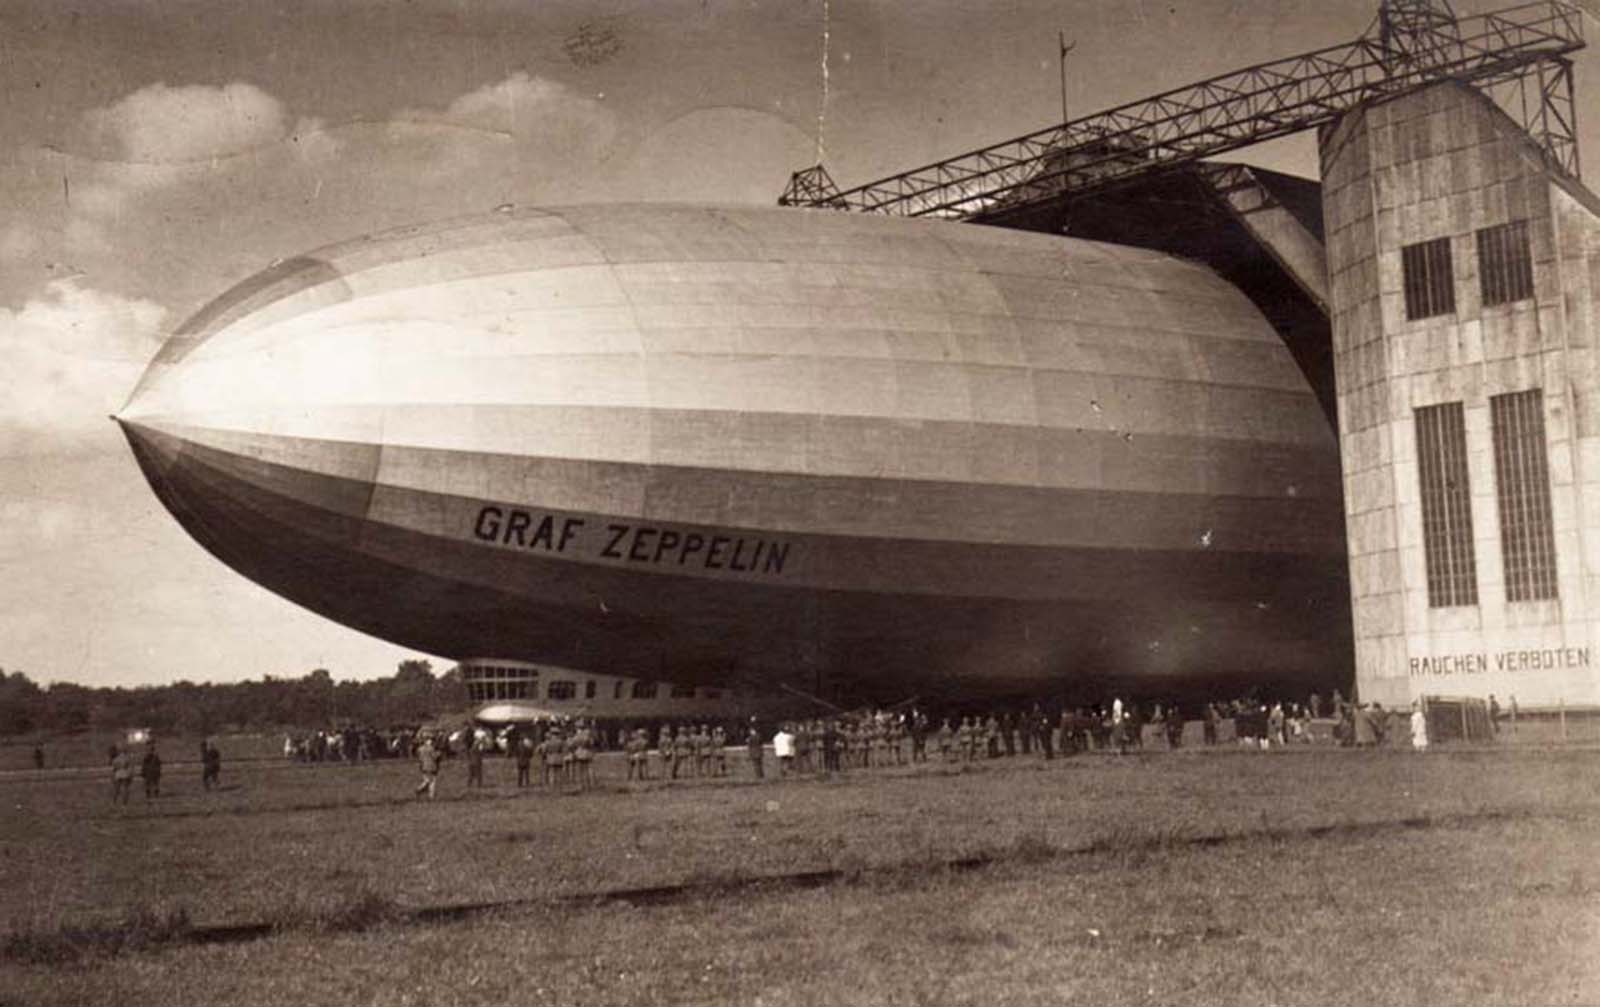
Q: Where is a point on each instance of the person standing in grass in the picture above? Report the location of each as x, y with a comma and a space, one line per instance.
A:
121, 775
474, 761
150, 770
428, 762
1419, 728
633, 746
1363, 727
547, 763
1174, 726
558, 758
1275, 725
1119, 727
719, 750
582, 756
683, 754
702, 751
524, 756
783, 749
210, 765
669, 751
752, 746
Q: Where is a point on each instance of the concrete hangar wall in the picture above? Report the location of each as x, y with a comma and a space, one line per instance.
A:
1464, 278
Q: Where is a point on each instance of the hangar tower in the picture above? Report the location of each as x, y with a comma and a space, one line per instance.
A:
1464, 268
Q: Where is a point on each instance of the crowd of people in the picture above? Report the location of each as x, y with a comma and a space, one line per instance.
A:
149, 768
564, 750
351, 744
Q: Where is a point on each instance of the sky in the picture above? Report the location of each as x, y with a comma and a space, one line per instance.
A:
158, 151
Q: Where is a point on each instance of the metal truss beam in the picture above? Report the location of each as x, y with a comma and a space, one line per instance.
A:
1415, 44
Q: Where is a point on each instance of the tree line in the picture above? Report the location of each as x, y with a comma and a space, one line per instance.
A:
412, 695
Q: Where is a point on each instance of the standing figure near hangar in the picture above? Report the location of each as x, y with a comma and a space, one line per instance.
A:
768, 447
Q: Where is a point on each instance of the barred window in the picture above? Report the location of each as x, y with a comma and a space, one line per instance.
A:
644, 690
1446, 506
1522, 481
589, 689
1429, 281
616, 689
562, 690
1505, 263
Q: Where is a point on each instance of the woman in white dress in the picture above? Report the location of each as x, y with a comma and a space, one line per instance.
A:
1419, 728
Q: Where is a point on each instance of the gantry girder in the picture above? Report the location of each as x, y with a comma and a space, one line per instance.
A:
1412, 43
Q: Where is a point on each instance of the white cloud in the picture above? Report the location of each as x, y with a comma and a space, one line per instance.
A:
524, 105
188, 189
161, 125
539, 126
72, 354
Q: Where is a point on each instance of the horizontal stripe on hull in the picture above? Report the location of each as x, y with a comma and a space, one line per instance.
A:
1124, 614
915, 528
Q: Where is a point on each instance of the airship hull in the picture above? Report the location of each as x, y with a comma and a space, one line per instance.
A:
761, 446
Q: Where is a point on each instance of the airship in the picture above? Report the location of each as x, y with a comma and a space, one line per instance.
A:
766, 447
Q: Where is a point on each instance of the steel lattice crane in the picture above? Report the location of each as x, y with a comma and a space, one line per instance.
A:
1411, 43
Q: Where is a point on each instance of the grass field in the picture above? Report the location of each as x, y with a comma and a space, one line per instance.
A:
1303, 877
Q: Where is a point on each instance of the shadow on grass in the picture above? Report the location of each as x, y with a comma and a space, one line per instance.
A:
140, 929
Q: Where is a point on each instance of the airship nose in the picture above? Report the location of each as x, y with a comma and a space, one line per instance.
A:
157, 454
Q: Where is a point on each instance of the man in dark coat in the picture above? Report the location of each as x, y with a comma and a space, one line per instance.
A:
210, 765
150, 770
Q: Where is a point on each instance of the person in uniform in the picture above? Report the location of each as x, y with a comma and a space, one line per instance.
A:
719, 749
210, 765
474, 761
121, 776
150, 770
700, 744
918, 727
542, 749
682, 752
1174, 726
560, 751
754, 751
583, 756
524, 757
428, 762
1363, 726
664, 750
632, 746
